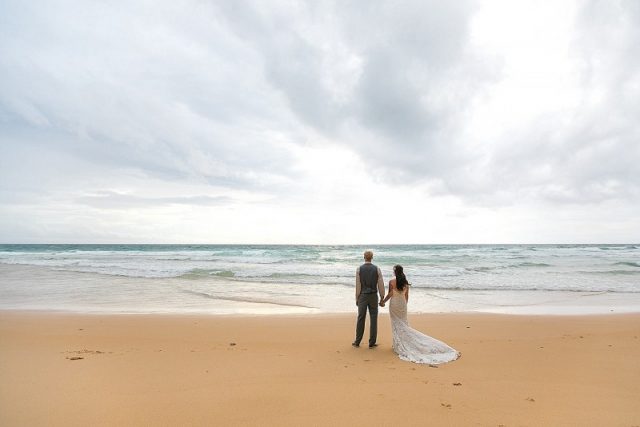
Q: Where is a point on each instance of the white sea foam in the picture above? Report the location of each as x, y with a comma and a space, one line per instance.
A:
302, 279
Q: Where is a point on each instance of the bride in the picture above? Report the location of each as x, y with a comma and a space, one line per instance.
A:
409, 344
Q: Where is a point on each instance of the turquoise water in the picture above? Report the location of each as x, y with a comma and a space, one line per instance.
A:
273, 279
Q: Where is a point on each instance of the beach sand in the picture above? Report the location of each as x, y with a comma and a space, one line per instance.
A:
68, 369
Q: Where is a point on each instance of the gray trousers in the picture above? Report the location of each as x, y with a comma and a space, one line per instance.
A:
367, 301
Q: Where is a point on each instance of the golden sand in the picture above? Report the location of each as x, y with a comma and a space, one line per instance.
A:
64, 369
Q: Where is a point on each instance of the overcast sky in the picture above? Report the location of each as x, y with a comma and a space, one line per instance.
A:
319, 122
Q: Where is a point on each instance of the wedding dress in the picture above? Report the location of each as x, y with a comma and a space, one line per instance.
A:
412, 345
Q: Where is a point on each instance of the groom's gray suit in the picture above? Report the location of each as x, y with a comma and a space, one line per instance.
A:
369, 283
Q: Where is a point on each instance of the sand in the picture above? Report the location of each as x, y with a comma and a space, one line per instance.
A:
71, 369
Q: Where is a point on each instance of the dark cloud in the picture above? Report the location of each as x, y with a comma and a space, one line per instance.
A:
400, 73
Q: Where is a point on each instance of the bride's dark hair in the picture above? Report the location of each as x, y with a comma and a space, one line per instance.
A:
401, 279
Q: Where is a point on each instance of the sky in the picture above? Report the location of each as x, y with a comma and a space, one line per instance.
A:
320, 122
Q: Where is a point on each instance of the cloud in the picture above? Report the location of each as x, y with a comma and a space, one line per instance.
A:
115, 200
139, 89
582, 145
495, 106
388, 80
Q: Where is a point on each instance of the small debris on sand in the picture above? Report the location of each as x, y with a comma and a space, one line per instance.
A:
457, 384
232, 344
75, 358
85, 351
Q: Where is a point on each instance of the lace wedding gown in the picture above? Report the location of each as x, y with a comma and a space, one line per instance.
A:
412, 345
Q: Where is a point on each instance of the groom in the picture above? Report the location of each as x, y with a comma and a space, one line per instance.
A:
368, 278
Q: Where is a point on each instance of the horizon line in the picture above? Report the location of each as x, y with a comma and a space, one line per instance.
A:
325, 244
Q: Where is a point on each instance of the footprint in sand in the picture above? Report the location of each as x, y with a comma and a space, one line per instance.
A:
530, 399
446, 405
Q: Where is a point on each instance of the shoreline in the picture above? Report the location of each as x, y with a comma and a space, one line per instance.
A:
341, 314
42, 288
301, 369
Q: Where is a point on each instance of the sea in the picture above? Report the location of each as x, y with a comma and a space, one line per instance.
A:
308, 279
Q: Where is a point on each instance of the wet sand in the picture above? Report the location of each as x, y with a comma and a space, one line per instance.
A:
71, 369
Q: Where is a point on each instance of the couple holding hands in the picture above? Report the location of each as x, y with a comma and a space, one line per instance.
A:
408, 343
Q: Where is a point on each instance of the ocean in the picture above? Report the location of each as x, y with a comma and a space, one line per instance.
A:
300, 279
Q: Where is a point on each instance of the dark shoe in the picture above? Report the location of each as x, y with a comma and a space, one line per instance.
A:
355, 344
373, 345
